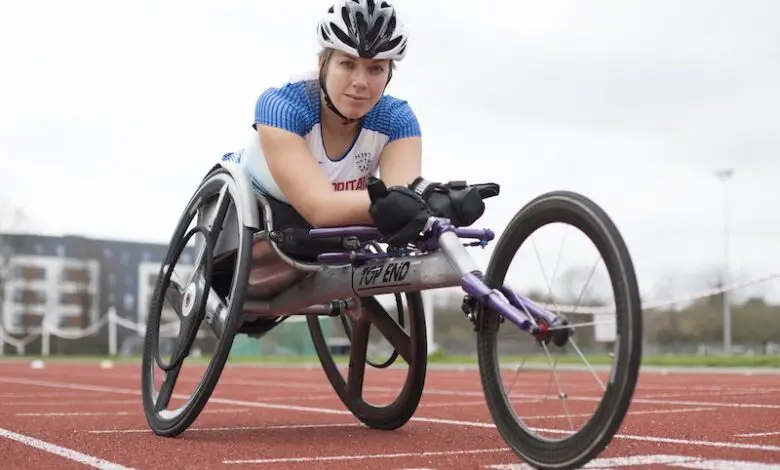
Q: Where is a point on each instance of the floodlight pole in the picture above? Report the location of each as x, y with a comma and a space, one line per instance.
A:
725, 175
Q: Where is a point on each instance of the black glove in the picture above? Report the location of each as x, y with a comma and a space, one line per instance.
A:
398, 213
457, 201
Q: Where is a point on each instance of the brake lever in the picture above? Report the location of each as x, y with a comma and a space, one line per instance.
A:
488, 190
485, 190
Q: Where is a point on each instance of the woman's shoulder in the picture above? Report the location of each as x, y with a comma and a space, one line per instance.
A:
293, 105
394, 117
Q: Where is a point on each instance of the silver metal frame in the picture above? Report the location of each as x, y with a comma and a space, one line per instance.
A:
281, 286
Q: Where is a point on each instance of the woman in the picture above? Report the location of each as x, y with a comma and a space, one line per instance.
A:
320, 140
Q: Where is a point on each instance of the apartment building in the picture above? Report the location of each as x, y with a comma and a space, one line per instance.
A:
75, 280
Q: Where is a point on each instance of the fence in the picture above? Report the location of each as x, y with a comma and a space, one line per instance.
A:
667, 331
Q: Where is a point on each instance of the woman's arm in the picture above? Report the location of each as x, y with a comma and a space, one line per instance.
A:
306, 185
401, 161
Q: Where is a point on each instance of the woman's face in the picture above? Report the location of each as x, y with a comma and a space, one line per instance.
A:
355, 85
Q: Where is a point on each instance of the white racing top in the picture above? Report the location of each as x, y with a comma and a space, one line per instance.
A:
296, 107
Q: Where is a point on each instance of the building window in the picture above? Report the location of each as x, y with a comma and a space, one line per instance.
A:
29, 273
80, 275
75, 298
29, 297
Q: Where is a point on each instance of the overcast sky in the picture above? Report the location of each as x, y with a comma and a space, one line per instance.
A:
635, 104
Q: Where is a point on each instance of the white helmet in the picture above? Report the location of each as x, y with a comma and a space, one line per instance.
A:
363, 28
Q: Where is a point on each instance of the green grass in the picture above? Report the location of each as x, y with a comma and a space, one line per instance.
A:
439, 358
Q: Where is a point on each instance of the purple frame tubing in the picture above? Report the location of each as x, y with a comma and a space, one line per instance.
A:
505, 301
367, 232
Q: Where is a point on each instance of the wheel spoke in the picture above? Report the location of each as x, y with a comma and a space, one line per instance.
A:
166, 389
175, 292
587, 363
357, 359
561, 394
585, 287
392, 332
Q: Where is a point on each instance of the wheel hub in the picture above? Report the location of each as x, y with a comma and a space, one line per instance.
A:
189, 298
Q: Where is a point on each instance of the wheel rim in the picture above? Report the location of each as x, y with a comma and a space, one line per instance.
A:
220, 193
412, 348
617, 387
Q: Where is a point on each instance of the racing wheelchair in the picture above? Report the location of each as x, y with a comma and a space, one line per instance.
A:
244, 280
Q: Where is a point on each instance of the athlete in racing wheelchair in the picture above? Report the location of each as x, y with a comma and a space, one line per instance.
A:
306, 202
320, 140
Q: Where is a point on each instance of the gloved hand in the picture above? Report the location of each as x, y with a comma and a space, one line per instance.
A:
398, 213
455, 200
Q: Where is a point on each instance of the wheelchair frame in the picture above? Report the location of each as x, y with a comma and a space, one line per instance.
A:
279, 286
282, 286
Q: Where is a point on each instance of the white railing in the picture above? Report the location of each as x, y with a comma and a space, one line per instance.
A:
49, 328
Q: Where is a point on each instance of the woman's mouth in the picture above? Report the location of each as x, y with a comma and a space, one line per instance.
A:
355, 98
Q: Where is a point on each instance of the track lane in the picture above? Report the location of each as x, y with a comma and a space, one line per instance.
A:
306, 433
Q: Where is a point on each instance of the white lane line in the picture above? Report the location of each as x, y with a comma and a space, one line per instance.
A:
369, 456
69, 454
470, 403
631, 413
515, 394
607, 463
342, 412
303, 385
234, 428
50, 395
759, 434
703, 464
435, 420
117, 413
69, 403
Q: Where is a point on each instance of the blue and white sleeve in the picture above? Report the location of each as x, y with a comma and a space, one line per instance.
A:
404, 123
276, 107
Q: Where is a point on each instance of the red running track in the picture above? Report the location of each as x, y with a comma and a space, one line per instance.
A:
80, 415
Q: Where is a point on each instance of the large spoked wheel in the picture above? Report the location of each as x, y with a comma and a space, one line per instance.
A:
223, 278
411, 347
576, 448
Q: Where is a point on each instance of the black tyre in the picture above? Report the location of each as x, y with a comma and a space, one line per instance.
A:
582, 446
350, 391
235, 267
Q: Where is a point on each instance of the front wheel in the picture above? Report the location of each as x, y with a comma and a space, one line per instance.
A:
575, 448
